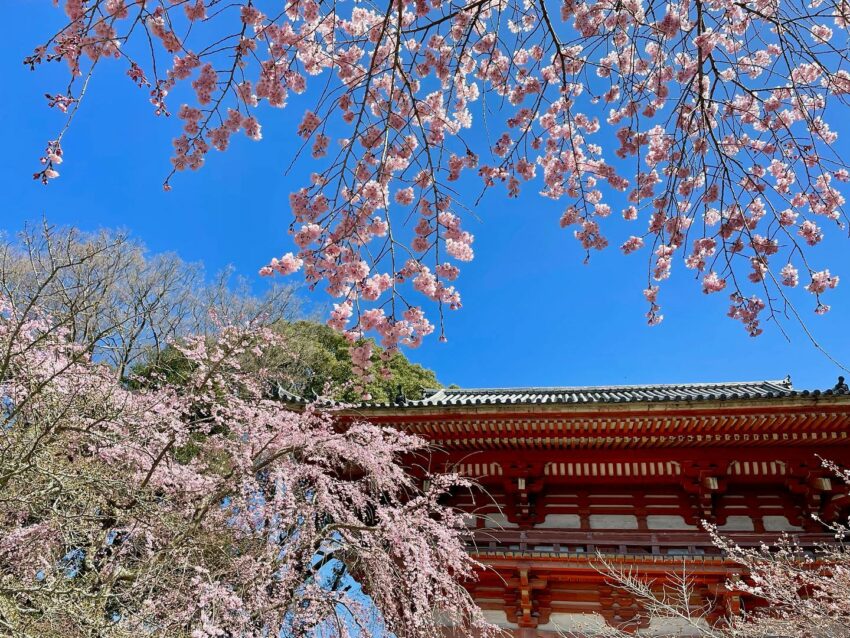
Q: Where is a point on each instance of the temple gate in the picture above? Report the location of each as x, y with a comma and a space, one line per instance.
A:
628, 472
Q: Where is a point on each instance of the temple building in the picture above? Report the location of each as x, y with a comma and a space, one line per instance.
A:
628, 472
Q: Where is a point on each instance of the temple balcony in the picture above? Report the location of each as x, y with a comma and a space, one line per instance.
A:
625, 542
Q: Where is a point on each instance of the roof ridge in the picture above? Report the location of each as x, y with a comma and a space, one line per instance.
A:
651, 393
590, 388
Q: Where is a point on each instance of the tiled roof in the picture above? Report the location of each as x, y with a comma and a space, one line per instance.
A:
739, 390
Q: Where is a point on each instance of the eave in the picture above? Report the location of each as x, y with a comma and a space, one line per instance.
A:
799, 420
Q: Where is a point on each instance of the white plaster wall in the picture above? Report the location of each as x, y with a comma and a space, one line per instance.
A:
667, 521
560, 521
498, 618
498, 521
613, 521
580, 623
737, 524
779, 524
671, 627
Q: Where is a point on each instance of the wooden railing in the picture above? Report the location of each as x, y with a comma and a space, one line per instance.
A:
687, 543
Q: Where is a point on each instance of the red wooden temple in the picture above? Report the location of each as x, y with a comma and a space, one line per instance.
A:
629, 472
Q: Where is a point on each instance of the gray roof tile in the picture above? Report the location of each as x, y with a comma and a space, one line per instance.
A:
683, 392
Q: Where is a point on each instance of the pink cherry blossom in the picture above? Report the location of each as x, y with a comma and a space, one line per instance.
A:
201, 505
705, 122
790, 276
632, 244
821, 281
404, 196
810, 232
286, 265
712, 283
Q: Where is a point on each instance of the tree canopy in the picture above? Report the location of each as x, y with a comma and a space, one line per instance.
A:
130, 307
196, 505
320, 356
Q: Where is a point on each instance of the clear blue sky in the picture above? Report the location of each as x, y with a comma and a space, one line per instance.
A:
542, 319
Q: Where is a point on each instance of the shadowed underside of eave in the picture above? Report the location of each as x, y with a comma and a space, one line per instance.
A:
769, 425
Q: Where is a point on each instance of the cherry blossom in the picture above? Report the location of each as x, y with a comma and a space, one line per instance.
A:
790, 275
704, 123
193, 503
712, 283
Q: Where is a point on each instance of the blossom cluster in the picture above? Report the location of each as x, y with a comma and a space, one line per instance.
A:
704, 121
196, 504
